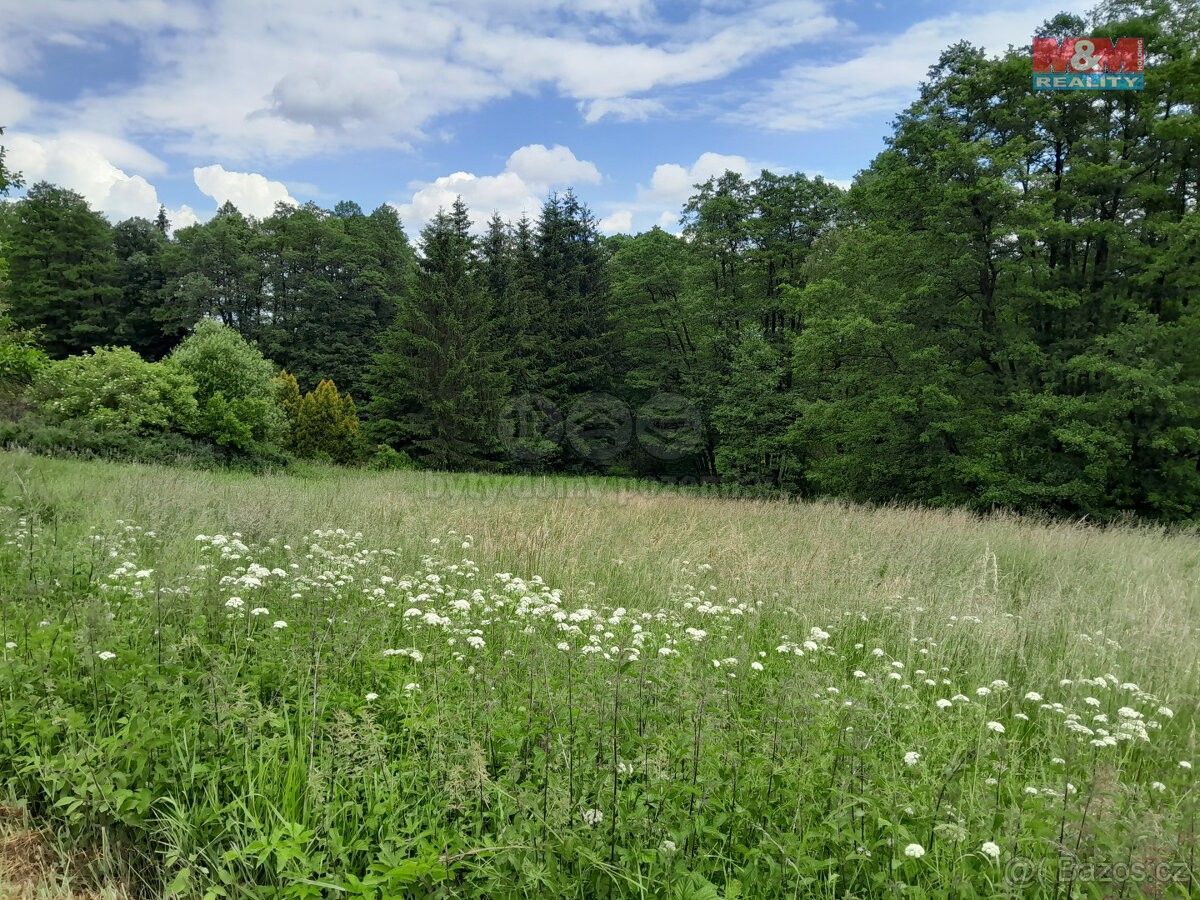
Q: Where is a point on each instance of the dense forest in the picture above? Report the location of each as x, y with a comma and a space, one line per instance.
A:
997, 314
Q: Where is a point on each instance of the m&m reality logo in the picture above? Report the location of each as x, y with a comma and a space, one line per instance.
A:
1088, 64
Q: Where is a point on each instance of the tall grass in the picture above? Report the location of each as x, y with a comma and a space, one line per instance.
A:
592, 690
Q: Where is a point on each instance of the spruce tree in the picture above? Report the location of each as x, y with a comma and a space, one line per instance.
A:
62, 274
439, 377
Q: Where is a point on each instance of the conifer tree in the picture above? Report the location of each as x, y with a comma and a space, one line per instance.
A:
287, 394
326, 426
440, 375
62, 274
574, 328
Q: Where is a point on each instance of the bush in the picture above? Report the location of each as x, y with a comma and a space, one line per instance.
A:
326, 426
287, 395
385, 458
113, 390
21, 358
36, 436
235, 392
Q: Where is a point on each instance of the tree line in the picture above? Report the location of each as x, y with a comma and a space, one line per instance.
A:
996, 314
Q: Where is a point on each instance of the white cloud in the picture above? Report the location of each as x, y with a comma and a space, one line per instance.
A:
884, 77
619, 221
232, 80
88, 164
621, 109
14, 105
671, 183
70, 23
531, 171
251, 193
540, 166
587, 69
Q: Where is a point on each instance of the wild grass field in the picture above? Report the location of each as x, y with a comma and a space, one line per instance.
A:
405, 684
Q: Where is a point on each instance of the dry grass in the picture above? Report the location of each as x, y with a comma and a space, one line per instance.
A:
1140, 583
30, 868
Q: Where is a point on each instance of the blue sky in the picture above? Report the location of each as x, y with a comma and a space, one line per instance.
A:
190, 103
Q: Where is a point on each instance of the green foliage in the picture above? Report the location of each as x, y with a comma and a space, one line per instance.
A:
985, 332
21, 358
388, 459
8, 178
146, 316
115, 390
287, 395
572, 319
752, 418
439, 378
34, 435
998, 314
326, 426
234, 389
62, 269
332, 286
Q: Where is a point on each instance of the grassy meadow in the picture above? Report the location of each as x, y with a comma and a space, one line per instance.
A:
356, 684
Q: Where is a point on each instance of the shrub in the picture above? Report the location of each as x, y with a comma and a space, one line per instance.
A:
21, 358
234, 389
113, 390
384, 458
326, 426
170, 447
287, 395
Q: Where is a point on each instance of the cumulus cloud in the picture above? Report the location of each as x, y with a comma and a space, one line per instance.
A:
253, 194
531, 171
88, 164
541, 166
884, 76
619, 221
672, 184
